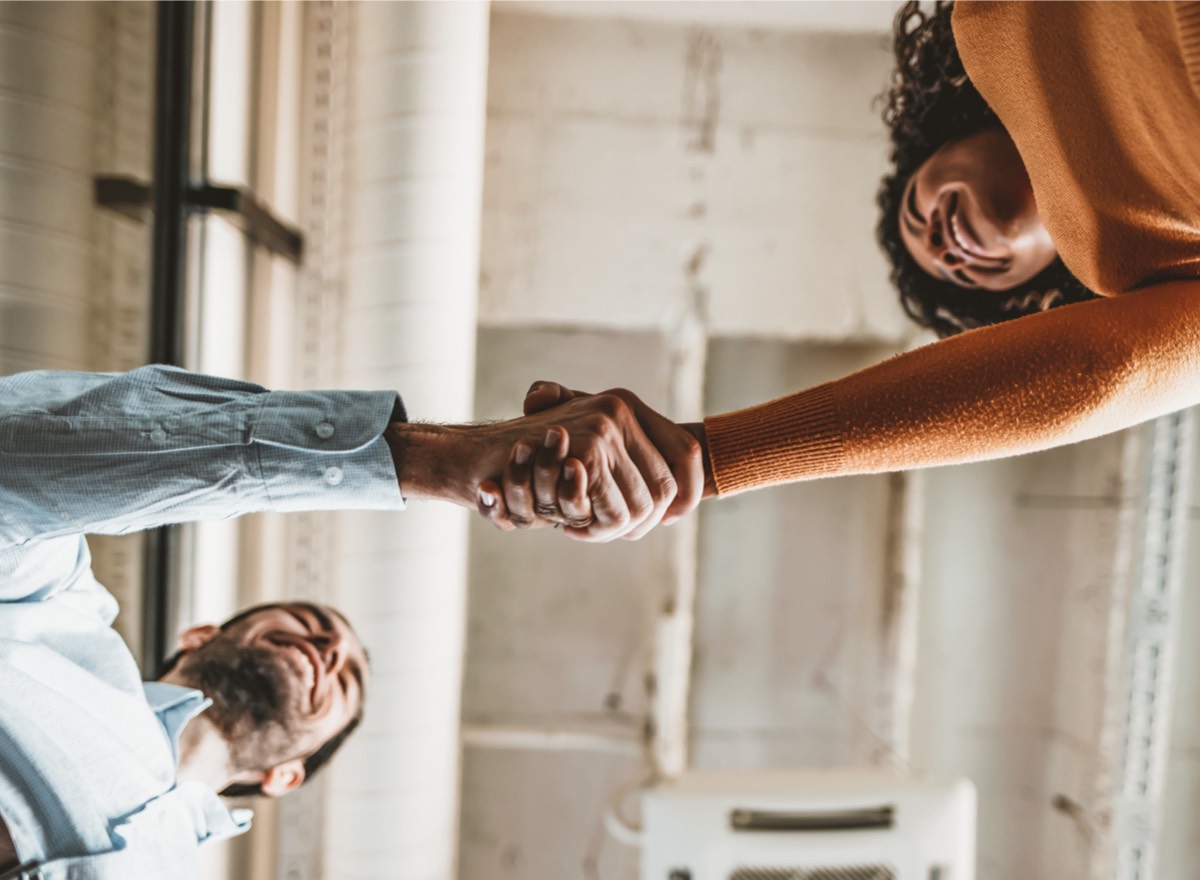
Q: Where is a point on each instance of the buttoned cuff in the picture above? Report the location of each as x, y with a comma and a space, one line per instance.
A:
326, 450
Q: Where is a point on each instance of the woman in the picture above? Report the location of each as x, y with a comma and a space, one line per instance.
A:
1098, 117
949, 151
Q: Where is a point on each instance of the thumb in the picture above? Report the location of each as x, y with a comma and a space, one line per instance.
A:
544, 395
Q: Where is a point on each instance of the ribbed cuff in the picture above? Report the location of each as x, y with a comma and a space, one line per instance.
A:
792, 438
1187, 19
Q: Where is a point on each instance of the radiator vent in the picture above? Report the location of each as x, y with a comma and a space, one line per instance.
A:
847, 872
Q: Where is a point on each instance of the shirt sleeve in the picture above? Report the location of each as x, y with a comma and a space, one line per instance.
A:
115, 453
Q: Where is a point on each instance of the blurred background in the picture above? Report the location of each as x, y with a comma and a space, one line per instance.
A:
454, 199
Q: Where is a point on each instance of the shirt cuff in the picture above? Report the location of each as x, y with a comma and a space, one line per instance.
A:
326, 451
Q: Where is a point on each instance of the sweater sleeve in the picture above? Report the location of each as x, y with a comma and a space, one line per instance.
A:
1102, 102
1044, 380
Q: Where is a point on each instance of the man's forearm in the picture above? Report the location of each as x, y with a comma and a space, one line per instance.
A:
444, 462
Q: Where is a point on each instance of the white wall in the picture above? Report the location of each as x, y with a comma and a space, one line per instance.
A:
644, 173
626, 160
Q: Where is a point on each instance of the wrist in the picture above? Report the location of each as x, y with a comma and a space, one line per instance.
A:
440, 462
696, 429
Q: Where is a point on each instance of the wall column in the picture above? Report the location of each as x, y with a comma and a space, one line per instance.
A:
414, 170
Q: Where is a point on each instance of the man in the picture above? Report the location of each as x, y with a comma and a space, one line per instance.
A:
102, 776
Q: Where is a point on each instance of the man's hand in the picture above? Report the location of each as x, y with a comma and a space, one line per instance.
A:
614, 473
533, 487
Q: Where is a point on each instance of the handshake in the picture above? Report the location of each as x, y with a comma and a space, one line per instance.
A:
601, 466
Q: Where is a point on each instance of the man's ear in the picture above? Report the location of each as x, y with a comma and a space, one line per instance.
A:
282, 778
195, 636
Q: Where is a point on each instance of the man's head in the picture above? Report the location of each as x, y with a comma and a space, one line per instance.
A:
287, 681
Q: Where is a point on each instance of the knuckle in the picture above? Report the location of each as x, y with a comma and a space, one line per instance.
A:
547, 511
666, 487
520, 521
641, 503
626, 396
612, 405
594, 464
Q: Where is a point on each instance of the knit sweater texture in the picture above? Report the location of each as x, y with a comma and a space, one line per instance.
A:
1102, 100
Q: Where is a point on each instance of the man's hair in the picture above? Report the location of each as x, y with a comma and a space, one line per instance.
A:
313, 762
929, 103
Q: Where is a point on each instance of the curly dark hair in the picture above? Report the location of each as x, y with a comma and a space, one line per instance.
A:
931, 102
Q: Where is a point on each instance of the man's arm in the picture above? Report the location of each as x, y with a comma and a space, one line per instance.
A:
115, 453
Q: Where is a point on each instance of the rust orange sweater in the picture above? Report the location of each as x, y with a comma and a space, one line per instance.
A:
1103, 103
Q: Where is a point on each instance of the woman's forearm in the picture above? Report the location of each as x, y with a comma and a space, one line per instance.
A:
1059, 377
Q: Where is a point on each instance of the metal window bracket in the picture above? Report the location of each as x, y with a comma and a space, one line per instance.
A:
132, 198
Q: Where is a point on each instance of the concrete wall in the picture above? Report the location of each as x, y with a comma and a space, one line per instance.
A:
645, 173
626, 158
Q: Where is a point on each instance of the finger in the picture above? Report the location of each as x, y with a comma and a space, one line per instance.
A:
687, 467
573, 498
518, 493
660, 492
489, 500
547, 469
656, 480
619, 498
680, 448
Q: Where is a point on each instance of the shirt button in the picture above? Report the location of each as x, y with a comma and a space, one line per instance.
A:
324, 430
158, 435
333, 475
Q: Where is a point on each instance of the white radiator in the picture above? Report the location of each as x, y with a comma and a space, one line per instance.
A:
809, 825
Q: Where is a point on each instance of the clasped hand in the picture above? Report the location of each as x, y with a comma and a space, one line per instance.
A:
608, 467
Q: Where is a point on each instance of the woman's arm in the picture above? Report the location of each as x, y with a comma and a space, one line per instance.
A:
1046, 380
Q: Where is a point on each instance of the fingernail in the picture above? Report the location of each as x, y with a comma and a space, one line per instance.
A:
522, 454
569, 473
551, 440
487, 499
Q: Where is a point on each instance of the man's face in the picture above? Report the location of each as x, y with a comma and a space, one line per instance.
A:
283, 681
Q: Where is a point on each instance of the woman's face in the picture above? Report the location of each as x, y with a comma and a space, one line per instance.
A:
969, 217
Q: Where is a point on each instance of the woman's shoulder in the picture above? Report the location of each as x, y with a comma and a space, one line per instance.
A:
1101, 102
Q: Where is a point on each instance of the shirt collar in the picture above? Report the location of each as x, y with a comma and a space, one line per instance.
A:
175, 706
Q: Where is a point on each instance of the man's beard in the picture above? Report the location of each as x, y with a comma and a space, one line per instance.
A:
253, 701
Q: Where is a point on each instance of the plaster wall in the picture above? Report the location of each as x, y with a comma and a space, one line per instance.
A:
627, 159
642, 173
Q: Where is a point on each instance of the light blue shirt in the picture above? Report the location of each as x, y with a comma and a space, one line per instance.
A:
88, 753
